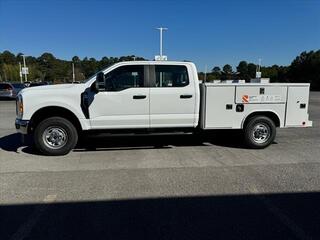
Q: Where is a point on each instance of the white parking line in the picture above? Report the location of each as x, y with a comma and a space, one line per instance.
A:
25, 229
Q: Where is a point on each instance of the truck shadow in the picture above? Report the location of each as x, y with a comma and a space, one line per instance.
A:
109, 143
231, 139
12, 142
248, 216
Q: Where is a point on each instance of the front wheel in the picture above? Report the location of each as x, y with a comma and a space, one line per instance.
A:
55, 136
260, 132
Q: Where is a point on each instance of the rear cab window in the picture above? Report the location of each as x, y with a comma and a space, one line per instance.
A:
171, 76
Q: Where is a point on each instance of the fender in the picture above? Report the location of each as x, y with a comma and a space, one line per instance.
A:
261, 111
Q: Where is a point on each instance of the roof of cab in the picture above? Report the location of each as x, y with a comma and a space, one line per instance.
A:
155, 62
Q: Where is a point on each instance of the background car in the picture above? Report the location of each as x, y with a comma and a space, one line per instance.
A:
18, 87
36, 84
7, 90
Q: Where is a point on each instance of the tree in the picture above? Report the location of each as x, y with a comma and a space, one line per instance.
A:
19, 56
306, 68
252, 70
227, 72
8, 58
47, 57
76, 59
215, 73
104, 62
227, 69
10, 72
242, 70
48, 66
216, 69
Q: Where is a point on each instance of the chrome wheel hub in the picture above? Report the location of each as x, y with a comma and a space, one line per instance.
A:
261, 133
55, 137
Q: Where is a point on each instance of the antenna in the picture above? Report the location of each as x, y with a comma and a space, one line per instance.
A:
161, 57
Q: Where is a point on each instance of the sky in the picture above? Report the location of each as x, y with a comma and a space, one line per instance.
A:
210, 33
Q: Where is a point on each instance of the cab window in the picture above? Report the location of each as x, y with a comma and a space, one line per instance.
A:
125, 77
171, 76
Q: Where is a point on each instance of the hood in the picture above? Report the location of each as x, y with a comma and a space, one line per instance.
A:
69, 86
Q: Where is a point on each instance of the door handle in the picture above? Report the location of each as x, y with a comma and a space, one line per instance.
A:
186, 96
139, 96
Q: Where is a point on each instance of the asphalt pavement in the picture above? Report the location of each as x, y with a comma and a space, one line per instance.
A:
162, 187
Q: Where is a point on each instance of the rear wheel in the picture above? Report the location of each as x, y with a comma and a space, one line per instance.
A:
55, 136
260, 132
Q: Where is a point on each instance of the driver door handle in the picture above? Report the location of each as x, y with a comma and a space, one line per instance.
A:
186, 96
139, 96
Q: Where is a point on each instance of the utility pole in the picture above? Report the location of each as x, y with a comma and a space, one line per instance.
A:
161, 29
25, 68
73, 74
20, 72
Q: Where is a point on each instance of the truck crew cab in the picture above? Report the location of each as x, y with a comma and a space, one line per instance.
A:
157, 96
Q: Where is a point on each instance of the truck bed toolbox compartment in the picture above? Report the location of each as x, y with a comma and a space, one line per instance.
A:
225, 106
261, 94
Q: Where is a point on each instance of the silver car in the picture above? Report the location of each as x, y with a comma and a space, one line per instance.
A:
7, 91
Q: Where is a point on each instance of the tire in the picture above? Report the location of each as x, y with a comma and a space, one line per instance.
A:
260, 132
55, 136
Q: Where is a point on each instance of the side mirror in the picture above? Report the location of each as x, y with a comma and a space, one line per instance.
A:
94, 87
100, 81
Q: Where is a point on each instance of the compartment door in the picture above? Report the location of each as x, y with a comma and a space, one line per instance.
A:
220, 107
297, 106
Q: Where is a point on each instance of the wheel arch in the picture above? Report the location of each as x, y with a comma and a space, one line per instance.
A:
270, 114
53, 111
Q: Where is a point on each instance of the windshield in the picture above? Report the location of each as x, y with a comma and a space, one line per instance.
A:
93, 76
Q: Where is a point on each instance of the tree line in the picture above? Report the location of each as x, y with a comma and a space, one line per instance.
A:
304, 68
51, 69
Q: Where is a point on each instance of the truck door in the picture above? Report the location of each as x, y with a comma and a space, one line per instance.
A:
125, 101
172, 97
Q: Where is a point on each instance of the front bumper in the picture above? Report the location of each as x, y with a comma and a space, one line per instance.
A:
22, 126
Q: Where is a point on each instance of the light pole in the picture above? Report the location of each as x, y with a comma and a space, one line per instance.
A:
25, 68
20, 72
258, 70
73, 74
161, 29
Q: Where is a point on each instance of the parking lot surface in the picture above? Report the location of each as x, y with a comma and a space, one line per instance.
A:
162, 187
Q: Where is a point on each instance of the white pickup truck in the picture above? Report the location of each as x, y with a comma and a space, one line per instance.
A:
157, 96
